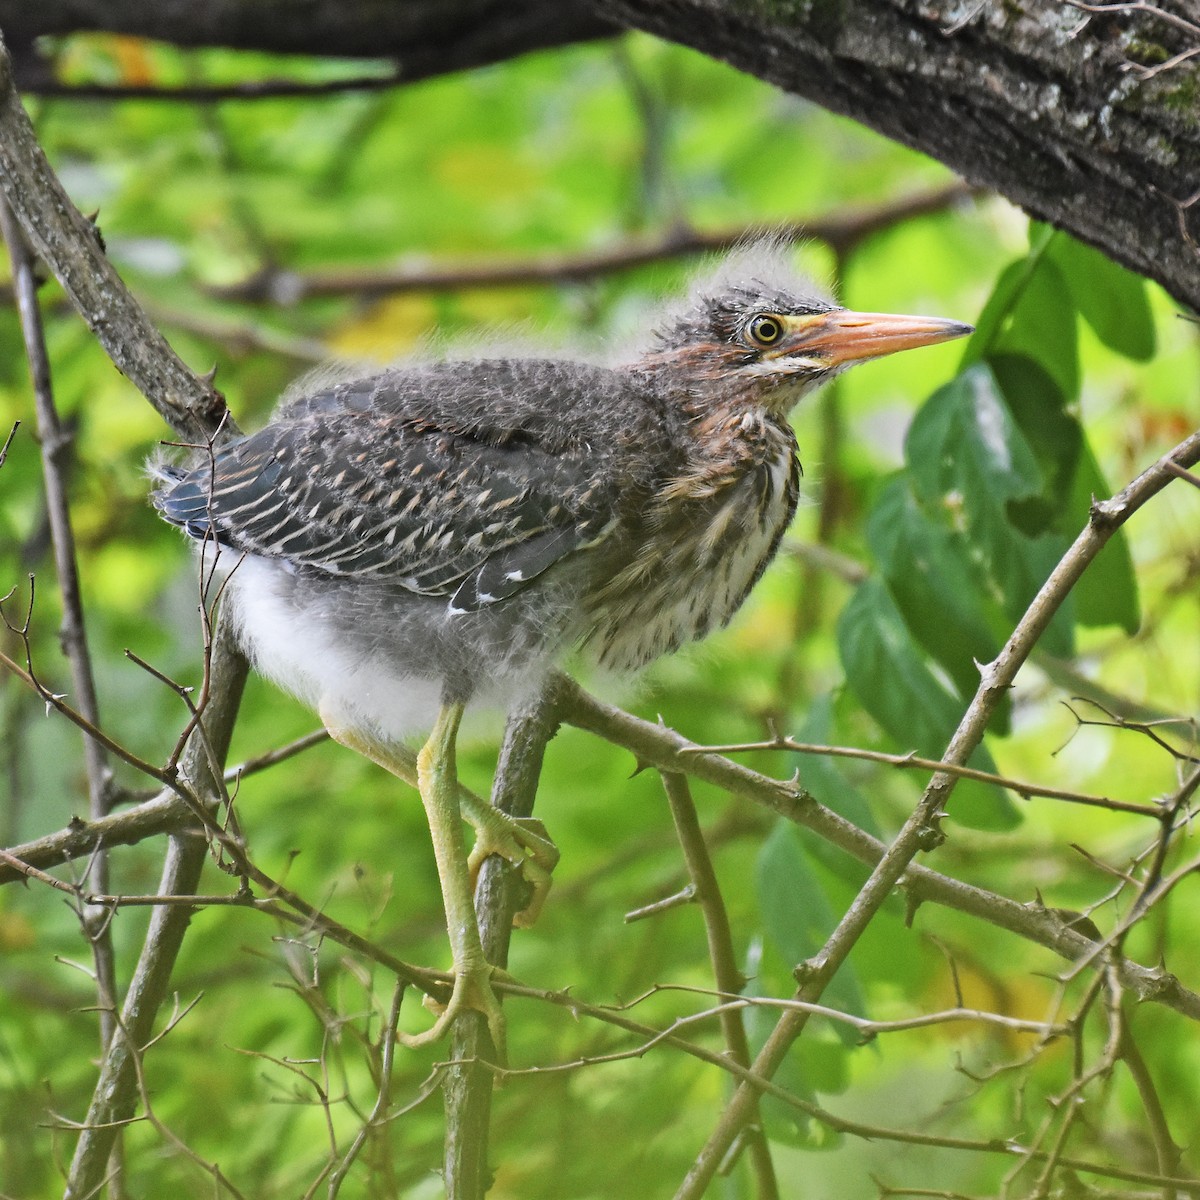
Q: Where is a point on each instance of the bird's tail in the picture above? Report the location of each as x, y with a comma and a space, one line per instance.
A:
181, 496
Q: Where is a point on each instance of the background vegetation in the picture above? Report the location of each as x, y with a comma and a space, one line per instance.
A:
265, 236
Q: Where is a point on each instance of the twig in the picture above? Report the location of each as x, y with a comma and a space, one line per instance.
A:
253, 765
1175, 468
8, 441
912, 761
1137, 6
55, 701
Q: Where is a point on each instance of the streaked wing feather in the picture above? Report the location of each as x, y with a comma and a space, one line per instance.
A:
369, 495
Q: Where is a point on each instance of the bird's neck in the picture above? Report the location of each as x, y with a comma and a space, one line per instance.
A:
729, 424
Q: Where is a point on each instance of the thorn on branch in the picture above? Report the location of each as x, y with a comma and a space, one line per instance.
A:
12, 433
685, 896
92, 219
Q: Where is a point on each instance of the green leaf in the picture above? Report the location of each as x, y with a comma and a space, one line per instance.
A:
797, 917
1038, 407
1031, 312
891, 678
1107, 592
889, 675
1004, 299
967, 456
1043, 327
1112, 300
936, 584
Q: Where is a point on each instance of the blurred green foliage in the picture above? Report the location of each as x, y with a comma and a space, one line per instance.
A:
953, 488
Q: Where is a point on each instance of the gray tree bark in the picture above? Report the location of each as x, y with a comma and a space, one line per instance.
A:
1057, 108
1086, 119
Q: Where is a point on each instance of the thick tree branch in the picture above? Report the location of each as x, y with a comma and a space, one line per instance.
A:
424, 37
1035, 101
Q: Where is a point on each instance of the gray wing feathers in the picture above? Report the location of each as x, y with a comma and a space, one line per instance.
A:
358, 491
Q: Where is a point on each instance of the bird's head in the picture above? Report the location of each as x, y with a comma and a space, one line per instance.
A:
757, 332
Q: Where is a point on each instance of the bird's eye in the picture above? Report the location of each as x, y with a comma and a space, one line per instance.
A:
764, 331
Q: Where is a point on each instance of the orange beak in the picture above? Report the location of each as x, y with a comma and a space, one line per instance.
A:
841, 336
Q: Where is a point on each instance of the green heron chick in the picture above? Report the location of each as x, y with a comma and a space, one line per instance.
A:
418, 538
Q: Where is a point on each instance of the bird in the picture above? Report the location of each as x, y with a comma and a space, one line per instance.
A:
409, 540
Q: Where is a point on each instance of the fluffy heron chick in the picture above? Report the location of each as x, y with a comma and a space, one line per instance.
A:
437, 532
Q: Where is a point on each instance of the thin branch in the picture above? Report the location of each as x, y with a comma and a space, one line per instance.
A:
655, 745
869, 1029
911, 761
56, 701
726, 974
253, 765
1165, 1149
165, 813
383, 1098
468, 1082
73, 637
8, 441
1174, 468
214, 93
117, 1088
1137, 6
671, 1036
841, 230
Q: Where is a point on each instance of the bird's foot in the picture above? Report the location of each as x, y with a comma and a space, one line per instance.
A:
472, 991
522, 841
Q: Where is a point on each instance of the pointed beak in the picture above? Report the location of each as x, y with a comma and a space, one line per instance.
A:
841, 336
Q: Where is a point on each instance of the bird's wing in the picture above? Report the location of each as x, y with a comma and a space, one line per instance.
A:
382, 496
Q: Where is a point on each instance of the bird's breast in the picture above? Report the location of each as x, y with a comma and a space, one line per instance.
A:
705, 544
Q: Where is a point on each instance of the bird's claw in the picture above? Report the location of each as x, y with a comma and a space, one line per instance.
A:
472, 991
523, 842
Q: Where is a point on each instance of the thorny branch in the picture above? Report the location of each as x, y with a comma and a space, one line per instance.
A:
922, 829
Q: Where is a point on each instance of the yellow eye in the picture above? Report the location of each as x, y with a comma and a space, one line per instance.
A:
764, 331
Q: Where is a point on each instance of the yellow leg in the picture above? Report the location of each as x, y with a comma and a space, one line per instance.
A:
522, 841
437, 781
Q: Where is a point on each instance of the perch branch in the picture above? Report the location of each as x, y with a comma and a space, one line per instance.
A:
468, 1085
